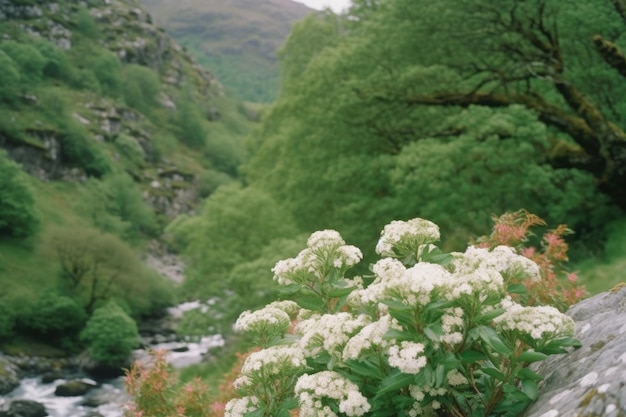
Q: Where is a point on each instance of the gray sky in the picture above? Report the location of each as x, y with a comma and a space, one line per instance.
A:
336, 5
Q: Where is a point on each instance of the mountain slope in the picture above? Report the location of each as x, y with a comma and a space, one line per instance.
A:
237, 39
108, 130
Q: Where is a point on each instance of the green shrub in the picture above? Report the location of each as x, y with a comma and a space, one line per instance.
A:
18, 217
111, 335
56, 317
7, 321
29, 60
141, 88
78, 148
9, 78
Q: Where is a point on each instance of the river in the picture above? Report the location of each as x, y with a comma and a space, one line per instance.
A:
110, 394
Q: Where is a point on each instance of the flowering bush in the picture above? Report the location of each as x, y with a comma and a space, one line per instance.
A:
432, 334
557, 286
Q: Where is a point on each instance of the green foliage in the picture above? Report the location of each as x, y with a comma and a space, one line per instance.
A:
30, 61
111, 335
140, 87
56, 317
86, 24
7, 321
124, 211
96, 267
190, 120
9, 78
18, 215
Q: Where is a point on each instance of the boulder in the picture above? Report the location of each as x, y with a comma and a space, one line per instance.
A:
9, 379
590, 381
23, 408
73, 388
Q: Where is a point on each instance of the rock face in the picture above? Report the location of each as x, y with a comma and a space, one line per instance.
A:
23, 408
590, 381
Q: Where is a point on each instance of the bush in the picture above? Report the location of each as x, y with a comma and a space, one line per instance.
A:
18, 217
7, 321
9, 78
30, 61
111, 335
141, 87
56, 317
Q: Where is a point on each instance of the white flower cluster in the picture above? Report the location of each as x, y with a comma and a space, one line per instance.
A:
411, 233
370, 336
325, 238
325, 248
328, 332
270, 363
238, 407
310, 390
540, 323
418, 393
482, 282
290, 307
452, 326
408, 357
502, 258
268, 319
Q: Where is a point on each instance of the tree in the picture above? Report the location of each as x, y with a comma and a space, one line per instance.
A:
347, 136
18, 216
111, 335
539, 54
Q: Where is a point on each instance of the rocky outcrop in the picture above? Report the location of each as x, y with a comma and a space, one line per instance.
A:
74, 388
590, 381
23, 408
9, 379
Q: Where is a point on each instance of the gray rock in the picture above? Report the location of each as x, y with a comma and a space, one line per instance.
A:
23, 408
9, 379
590, 381
73, 388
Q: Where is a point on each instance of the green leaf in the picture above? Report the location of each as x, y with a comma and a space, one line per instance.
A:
440, 375
259, 412
314, 303
340, 291
559, 345
394, 382
529, 387
526, 373
517, 289
470, 356
530, 356
433, 332
365, 368
493, 372
493, 340
398, 335
488, 317
289, 289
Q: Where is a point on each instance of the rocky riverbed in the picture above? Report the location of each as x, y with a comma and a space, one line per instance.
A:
71, 387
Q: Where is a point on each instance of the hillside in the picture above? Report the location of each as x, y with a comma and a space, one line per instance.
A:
108, 130
237, 39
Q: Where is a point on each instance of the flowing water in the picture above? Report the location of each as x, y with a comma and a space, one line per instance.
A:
110, 392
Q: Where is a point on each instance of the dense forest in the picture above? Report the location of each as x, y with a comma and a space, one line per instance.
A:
446, 111
118, 144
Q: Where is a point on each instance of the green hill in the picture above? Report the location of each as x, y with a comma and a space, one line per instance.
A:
109, 129
237, 39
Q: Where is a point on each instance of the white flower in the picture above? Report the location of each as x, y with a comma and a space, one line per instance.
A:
290, 307
369, 337
310, 389
268, 319
274, 362
540, 323
456, 378
407, 357
237, 407
328, 332
409, 234
502, 258
325, 238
